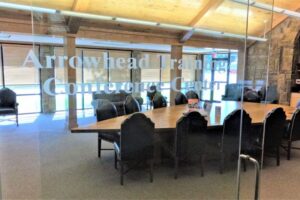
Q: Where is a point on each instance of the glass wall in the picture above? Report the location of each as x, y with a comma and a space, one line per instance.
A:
22, 77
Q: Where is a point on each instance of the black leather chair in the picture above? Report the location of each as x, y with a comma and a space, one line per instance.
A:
269, 95
131, 105
136, 143
231, 135
150, 95
190, 139
8, 103
107, 110
233, 92
191, 95
251, 96
274, 128
159, 101
180, 99
293, 134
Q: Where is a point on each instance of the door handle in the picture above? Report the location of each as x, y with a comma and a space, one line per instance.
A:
257, 172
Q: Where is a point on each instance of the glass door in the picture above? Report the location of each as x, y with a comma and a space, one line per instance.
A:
216, 72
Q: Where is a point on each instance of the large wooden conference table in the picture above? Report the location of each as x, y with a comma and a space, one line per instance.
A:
166, 118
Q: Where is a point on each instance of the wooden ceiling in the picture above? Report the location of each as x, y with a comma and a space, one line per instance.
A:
219, 15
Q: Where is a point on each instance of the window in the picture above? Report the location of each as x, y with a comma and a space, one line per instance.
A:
61, 99
91, 73
233, 67
119, 74
151, 74
188, 75
24, 80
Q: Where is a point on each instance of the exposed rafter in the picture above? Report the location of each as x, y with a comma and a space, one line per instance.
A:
74, 22
211, 5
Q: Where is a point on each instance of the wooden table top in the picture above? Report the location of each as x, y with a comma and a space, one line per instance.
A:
166, 118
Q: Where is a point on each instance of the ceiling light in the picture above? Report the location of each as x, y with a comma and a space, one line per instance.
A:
268, 7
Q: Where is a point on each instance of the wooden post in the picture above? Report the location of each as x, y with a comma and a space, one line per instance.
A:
176, 54
70, 78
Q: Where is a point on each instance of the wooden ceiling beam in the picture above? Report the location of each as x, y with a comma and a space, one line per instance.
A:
210, 6
75, 22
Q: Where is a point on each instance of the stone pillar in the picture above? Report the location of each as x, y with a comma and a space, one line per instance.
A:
241, 65
136, 74
176, 54
70, 78
48, 102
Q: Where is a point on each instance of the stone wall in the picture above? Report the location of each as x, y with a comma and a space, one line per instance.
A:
281, 58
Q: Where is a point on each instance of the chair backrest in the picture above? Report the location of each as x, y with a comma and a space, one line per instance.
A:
159, 101
106, 110
137, 135
294, 128
152, 92
232, 129
190, 134
180, 99
131, 105
274, 127
8, 98
191, 95
270, 94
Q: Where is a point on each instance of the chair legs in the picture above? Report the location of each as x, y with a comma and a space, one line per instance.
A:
289, 150
202, 165
151, 170
176, 168
116, 161
99, 146
122, 173
17, 119
222, 163
278, 156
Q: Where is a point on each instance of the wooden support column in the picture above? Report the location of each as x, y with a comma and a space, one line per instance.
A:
48, 102
176, 54
70, 78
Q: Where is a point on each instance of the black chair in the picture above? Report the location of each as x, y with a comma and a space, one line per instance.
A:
232, 133
106, 110
150, 95
190, 139
274, 128
180, 99
269, 95
233, 92
159, 101
8, 103
293, 134
136, 143
191, 95
252, 96
131, 105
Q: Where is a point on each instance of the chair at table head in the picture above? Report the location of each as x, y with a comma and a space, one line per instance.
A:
136, 141
180, 99
106, 110
131, 105
192, 95
152, 92
274, 127
190, 135
159, 101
